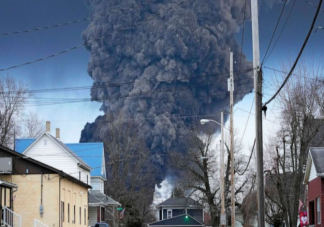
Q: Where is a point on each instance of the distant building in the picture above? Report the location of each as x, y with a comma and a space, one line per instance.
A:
179, 212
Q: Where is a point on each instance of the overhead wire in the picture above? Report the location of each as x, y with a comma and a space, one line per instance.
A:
96, 39
281, 71
313, 5
118, 84
281, 31
242, 40
274, 32
299, 54
247, 121
70, 22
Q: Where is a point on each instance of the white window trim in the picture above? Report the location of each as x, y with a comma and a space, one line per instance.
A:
168, 213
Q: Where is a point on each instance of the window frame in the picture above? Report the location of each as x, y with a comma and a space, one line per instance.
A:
62, 212
85, 212
168, 213
68, 213
318, 210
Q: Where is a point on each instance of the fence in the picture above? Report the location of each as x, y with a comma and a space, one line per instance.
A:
10, 218
39, 224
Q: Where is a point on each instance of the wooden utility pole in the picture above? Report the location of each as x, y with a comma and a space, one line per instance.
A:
223, 215
257, 73
232, 140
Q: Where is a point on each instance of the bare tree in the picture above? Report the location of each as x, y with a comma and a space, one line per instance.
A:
33, 126
200, 173
130, 175
13, 97
299, 105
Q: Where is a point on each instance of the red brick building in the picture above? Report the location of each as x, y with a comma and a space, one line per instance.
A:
314, 181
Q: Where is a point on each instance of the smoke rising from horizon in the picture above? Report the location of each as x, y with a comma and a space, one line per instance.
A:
174, 64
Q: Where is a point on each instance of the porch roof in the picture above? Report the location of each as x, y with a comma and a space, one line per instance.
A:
7, 184
97, 198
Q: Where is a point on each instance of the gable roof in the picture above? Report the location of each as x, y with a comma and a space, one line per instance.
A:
316, 158
22, 143
92, 154
59, 172
317, 154
180, 220
180, 202
98, 198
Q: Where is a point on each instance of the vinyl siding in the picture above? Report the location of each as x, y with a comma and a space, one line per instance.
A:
54, 155
196, 213
92, 216
312, 174
84, 175
97, 184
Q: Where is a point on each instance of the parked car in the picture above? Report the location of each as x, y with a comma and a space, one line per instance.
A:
101, 225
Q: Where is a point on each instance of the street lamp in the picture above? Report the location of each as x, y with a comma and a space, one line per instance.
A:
204, 121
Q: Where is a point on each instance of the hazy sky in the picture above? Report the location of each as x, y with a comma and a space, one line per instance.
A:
70, 70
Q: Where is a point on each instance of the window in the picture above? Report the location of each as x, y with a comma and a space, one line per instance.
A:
169, 213
318, 210
74, 214
45, 142
62, 211
80, 215
311, 213
68, 212
85, 215
79, 175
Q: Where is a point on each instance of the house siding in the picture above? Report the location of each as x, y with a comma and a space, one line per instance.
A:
92, 216
97, 184
315, 190
54, 155
196, 213
27, 199
312, 174
74, 195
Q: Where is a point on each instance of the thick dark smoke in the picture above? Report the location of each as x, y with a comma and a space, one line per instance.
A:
172, 66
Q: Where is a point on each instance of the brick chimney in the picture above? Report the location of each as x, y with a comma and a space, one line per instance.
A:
57, 133
48, 126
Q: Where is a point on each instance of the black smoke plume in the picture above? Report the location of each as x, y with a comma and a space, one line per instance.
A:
161, 62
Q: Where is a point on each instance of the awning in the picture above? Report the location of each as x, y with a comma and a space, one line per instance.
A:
7, 184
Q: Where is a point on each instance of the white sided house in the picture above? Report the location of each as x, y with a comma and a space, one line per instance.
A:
51, 151
84, 161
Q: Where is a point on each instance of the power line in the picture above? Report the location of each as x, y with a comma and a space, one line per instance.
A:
242, 34
118, 84
87, 43
70, 22
282, 29
128, 96
300, 53
312, 5
281, 71
274, 32
247, 120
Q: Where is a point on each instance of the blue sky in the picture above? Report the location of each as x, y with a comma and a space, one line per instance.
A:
70, 70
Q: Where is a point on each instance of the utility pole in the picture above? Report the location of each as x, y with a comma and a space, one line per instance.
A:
232, 141
257, 73
223, 216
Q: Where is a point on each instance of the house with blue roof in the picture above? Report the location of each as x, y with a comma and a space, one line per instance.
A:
84, 161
